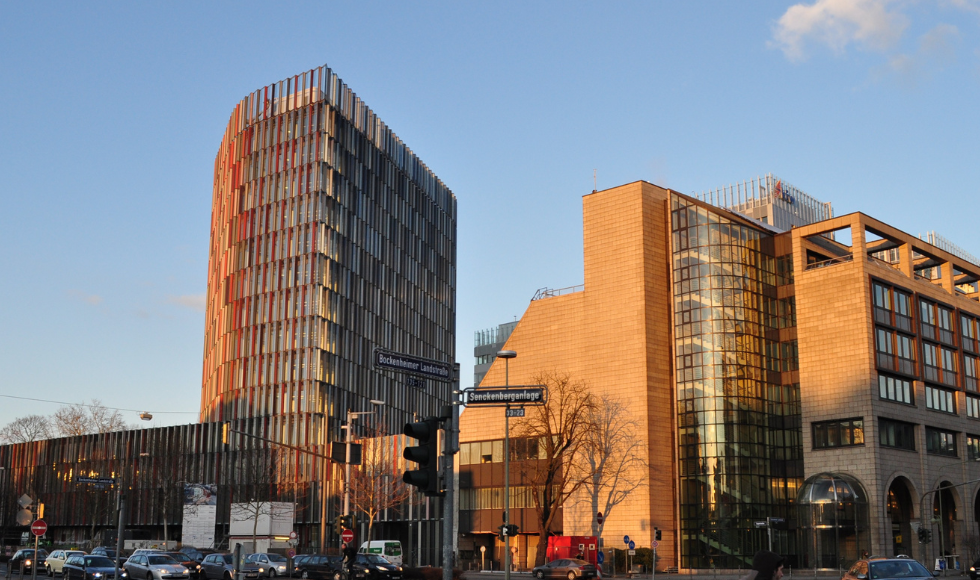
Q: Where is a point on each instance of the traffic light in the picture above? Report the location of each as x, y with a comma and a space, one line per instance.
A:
40, 511
928, 536
512, 529
224, 432
657, 534
347, 522
338, 525
925, 536
426, 455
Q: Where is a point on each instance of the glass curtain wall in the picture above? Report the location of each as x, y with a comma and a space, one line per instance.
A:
739, 455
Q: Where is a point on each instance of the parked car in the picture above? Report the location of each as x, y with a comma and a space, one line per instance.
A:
155, 566
273, 564
195, 554
973, 570
107, 552
885, 568
221, 566
193, 568
374, 567
569, 568
319, 567
26, 559
88, 567
56, 560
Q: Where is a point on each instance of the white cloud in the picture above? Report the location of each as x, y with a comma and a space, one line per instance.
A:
869, 24
935, 51
192, 301
93, 299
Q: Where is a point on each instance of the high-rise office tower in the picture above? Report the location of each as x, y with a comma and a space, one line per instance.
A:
329, 238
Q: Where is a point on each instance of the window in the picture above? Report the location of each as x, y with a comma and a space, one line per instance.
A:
971, 367
972, 447
940, 442
840, 433
936, 322
968, 331
892, 306
938, 364
895, 389
896, 434
973, 407
940, 399
895, 351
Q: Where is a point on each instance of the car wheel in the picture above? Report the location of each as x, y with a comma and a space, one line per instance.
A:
272, 572
539, 574
336, 576
305, 574
571, 576
149, 576
227, 575
48, 570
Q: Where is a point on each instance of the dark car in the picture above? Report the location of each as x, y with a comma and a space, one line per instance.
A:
374, 567
108, 553
569, 568
193, 568
195, 554
318, 567
26, 559
973, 570
90, 567
220, 567
885, 568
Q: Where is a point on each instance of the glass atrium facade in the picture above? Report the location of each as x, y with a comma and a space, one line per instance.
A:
740, 458
329, 238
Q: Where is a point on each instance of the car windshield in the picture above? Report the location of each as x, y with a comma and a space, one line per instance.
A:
898, 569
98, 562
276, 558
161, 560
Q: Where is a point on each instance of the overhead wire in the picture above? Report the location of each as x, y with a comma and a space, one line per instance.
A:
102, 406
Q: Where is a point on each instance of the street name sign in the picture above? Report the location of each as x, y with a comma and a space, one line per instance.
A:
415, 382
102, 480
515, 412
406, 363
504, 396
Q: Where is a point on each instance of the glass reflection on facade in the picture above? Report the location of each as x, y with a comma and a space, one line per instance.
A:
329, 237
740, 453
833, 521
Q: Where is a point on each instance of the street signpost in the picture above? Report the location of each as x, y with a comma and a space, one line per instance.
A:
99, 480
347, 536
515, 412
599, 518
506, 396
39, 527
416, 365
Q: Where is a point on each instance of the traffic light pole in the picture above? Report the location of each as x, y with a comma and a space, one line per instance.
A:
449, 479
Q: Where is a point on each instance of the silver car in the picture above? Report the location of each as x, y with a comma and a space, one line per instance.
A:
273, 564
155, 567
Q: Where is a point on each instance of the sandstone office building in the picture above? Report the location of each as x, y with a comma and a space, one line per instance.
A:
824, 374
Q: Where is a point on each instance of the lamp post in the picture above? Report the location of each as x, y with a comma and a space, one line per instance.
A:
351, 415
506, 355
940, 488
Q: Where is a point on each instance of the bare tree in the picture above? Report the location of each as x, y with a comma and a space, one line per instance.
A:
614, 462
91, 418
376, 484
26, 429
560, 426
259, 472
166, 467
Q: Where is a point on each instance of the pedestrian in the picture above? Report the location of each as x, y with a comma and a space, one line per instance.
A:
765, 566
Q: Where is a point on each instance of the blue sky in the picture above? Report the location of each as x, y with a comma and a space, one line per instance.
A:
113, 113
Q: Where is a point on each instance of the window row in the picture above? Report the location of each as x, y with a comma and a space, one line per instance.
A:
891, 433
893, 306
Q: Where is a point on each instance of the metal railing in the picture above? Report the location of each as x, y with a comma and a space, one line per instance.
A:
830, 262
552, 292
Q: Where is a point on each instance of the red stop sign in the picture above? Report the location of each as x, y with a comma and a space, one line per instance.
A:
347, 536
39, 527
598, 518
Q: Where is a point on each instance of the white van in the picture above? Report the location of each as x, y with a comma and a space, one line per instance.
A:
390, 549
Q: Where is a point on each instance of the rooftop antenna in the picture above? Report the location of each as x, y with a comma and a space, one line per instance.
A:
594, 187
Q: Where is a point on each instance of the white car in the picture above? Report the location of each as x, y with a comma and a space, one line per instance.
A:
155, 567
56, 561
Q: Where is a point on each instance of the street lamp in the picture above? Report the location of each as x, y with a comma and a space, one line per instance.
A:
351, 415
938, 494
506, 355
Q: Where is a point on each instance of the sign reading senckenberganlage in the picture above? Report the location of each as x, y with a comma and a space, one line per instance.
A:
533, 395
393, 361
200, 509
